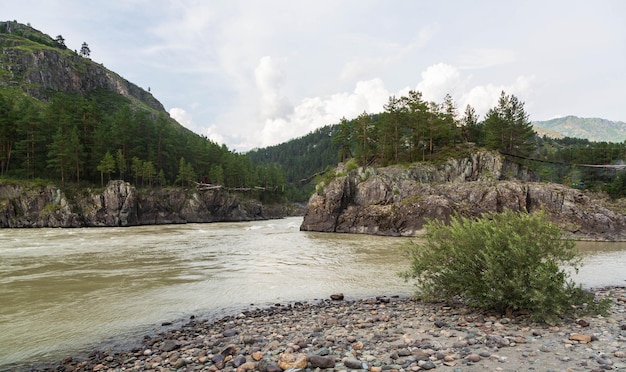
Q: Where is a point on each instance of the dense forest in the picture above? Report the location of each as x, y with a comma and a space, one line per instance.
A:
91, 139
301, 159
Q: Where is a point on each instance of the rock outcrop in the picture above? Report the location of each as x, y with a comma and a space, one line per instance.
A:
120, 204
398, 201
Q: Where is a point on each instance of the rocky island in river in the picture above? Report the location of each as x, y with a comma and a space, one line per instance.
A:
397, 200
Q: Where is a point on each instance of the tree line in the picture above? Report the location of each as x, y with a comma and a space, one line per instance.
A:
91, 139
412, 129
570, 161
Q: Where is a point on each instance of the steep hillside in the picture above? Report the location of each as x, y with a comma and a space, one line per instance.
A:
37, 64
67, 119
593, 129
301, 158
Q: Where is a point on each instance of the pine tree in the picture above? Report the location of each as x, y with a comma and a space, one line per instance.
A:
343, 137
149, 172
60, 42
470, 127
8, 133
76, 153
32, 139
136, 167
59, 157
507, 128
393, 124
107, 165
120, 159
84, 50
363, 133
417, 121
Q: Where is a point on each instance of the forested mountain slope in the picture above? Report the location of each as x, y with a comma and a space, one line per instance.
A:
65, 118
301, 158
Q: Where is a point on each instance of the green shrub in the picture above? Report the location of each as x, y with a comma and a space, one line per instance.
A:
51, 208
503, 261
351, 164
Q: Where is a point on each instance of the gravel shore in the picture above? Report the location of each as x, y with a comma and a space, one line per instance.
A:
377, 334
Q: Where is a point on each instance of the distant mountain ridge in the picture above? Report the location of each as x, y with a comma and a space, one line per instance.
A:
593, 129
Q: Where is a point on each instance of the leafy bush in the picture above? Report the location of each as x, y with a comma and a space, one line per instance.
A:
504, 262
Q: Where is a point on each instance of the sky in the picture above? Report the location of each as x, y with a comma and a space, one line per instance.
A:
255, 73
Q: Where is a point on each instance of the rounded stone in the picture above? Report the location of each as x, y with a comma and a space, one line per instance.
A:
353, 363
290, 360
320, 361
248, 366
239, 360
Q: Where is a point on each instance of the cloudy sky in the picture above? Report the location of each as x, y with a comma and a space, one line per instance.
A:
254, 73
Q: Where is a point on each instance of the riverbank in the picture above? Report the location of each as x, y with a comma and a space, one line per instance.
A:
374, 334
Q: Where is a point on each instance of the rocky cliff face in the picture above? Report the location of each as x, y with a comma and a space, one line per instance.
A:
398, 201
39, 69
121, 205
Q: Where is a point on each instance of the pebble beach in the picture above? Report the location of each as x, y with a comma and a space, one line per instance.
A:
372, 334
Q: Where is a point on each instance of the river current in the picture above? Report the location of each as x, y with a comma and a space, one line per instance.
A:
64, 290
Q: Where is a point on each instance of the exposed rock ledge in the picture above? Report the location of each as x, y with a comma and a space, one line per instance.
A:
397, 201
120, 204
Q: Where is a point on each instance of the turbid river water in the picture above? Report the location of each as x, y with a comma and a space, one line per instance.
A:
64, 290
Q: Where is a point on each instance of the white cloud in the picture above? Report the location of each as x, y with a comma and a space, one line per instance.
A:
315, 112
182, 116
269, 79
438, 80
484, 97
213, 134
185, 119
